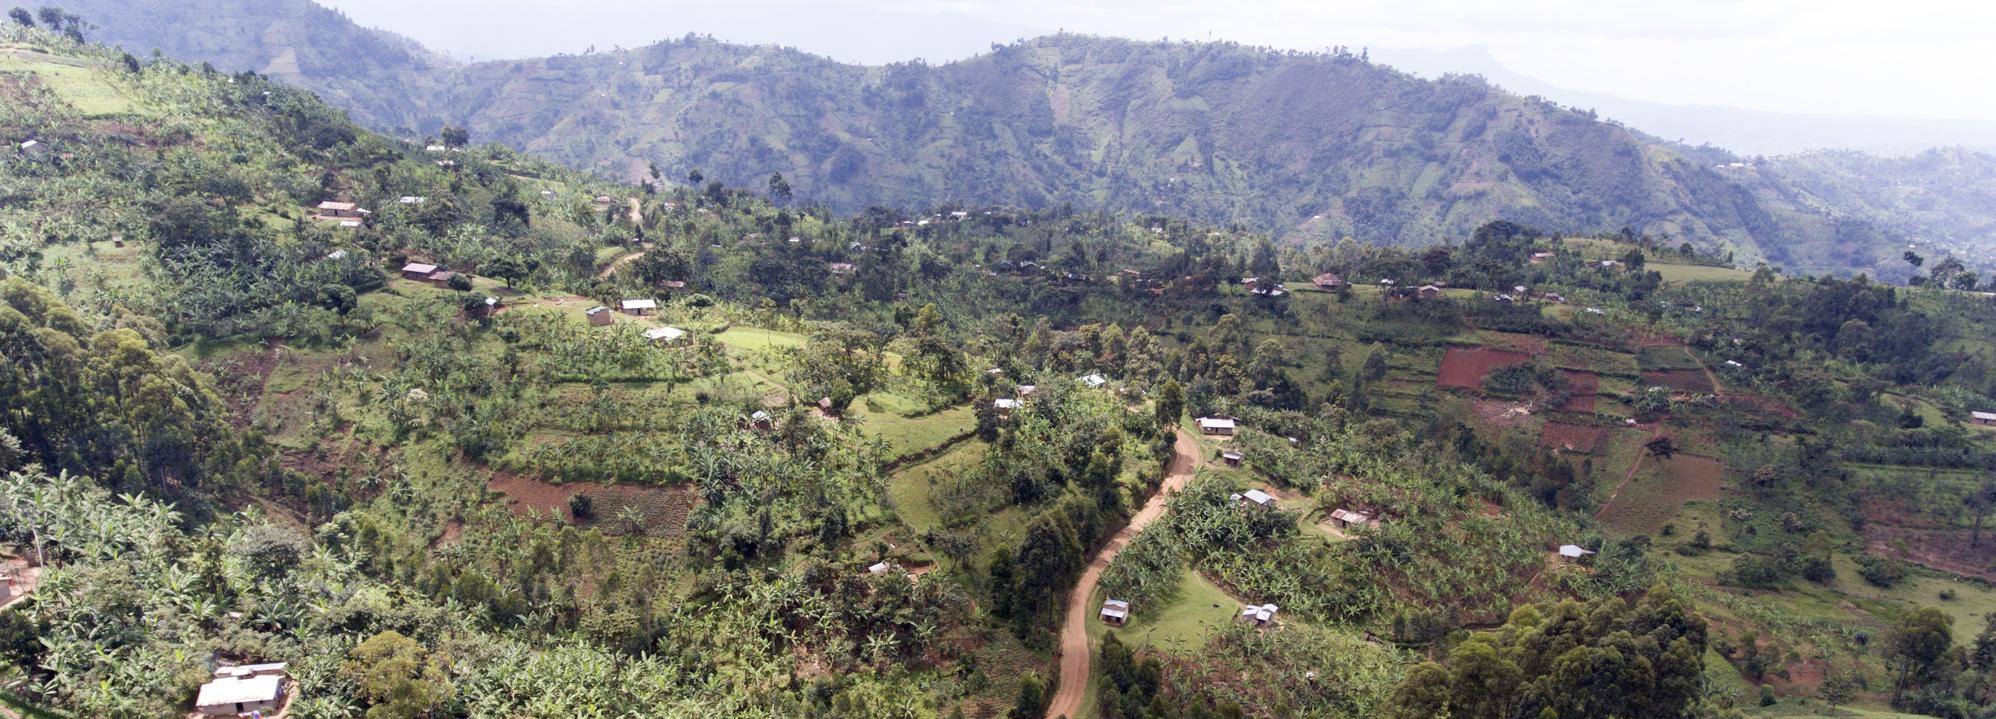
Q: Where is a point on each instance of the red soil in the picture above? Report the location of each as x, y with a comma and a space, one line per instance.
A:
1464, 367
1571, 437
1944, 549
1683, 380
662, 511
1583, 386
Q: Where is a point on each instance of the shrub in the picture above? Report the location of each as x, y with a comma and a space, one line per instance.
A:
1881, 572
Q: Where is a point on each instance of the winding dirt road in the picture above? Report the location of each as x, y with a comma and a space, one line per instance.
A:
1074, 648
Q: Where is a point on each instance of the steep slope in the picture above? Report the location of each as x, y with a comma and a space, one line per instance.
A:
1316, 145
1306, 146
374, 74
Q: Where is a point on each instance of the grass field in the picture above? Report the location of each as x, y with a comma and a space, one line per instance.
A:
909, 488
755, 339
1196, 610
907, 435
80, 85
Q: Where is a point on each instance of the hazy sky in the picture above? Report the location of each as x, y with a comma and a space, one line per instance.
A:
1904, 58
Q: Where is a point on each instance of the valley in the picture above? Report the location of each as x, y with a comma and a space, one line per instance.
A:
424, 427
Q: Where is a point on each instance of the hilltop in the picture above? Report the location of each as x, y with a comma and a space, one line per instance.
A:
1305, 146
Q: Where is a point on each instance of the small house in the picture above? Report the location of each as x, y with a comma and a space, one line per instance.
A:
1027, 390
34, 148
881, 567
1611, 264
330, 209
1594, 311
1734, 364
336, 255
1554, 297
841, 268
760, 419
602, 201
1005, 405
664, 335
1250, 281
486, 307
1223, 426
434, 148
1387, 282
1327, 281
1351, 519
1428, 292
1233, 459
1506, 298
418, 271
1254, 498
440, 278
237, 691
1115, 612
411, 200
1259, 615
1093, 381
1573, 552
1987, 419
1541, 257
599, 315
638, 308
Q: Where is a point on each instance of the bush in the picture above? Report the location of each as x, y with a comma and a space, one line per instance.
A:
1881, 572
580, 506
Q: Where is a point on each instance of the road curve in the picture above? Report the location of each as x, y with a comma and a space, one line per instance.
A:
1074, 649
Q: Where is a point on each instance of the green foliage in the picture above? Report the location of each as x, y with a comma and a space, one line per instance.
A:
1559, 658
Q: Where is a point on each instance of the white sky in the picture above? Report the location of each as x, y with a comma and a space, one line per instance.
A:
1903, 58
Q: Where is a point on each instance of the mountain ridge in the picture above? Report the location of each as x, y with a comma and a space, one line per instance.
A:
1308, 146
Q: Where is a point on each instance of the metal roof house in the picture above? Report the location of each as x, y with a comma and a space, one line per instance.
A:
1115, 612
247, 689
1216, 425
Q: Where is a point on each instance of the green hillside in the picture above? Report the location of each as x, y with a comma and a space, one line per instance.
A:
240, 427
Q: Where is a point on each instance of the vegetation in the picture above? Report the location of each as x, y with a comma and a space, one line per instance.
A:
234, 433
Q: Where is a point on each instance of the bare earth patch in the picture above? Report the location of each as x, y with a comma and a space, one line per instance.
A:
655, 511
1944, 549
1464, 367
1582, 386
1571, 437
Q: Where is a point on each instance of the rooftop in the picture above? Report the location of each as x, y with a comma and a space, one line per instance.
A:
231, 690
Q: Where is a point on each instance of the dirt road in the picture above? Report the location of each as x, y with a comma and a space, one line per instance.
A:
1074, 648
619, 262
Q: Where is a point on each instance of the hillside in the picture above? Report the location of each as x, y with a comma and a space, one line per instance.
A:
1303, 146
417, 424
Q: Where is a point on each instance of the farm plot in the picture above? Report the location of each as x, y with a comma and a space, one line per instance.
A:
1682, 380
1589, 358
1661, 489
653, 511
1581, 388
1652, 359
1465, 367
1571, 437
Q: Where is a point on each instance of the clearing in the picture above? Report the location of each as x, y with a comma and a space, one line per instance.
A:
1464, 367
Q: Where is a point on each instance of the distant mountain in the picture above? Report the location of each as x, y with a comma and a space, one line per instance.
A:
1750, 132
1306, 146
374, 74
